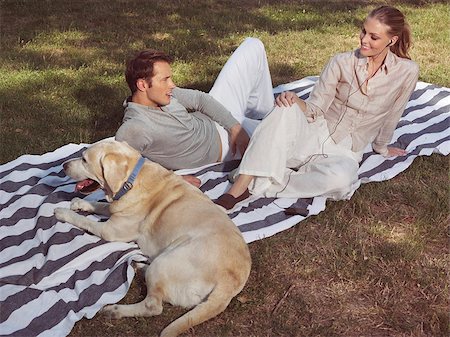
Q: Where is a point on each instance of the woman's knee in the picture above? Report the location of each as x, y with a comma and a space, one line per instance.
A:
346, 173
290, 114
338, 172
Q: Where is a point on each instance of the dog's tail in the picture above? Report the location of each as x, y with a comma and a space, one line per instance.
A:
216, 302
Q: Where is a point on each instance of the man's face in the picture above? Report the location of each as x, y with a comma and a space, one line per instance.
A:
159, 92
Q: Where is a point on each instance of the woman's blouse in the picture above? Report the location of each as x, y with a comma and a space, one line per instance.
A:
369, 111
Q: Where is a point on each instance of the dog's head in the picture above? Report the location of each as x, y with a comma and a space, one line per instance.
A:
106, 165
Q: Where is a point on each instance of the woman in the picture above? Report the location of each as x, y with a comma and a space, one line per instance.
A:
313, 148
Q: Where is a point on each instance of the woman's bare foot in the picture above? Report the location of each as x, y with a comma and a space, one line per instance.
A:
194, 181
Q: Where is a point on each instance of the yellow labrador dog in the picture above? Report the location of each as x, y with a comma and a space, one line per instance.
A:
199, 258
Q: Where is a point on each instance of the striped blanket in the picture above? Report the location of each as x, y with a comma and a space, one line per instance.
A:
53, 274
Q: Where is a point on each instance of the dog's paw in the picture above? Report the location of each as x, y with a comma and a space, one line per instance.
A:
63, 214
111, 311
78, 204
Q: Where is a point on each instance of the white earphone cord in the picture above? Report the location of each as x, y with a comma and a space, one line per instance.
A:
341, 117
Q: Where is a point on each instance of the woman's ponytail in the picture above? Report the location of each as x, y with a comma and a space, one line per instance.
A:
398, 26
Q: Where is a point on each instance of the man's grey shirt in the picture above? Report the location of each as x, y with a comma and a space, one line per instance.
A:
179, 135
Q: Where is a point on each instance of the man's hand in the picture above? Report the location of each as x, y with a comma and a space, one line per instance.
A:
238, 139
194, 181
395, 151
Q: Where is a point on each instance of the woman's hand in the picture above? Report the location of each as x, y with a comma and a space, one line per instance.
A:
287, 98
395, 151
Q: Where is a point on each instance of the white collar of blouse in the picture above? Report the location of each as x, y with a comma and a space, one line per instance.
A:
389, 61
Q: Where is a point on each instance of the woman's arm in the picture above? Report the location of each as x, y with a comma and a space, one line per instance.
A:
384, 137
321, 96
324, 91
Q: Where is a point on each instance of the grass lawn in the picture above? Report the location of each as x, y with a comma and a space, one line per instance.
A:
376, 265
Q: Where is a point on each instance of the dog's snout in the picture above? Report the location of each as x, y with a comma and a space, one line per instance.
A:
65, 166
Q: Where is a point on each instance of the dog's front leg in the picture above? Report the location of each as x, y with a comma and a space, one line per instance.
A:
67, 215
109, 230
100, 208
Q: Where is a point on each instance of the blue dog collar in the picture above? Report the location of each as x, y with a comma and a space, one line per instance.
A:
128, 185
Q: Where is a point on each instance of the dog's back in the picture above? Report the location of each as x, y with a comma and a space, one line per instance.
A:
200, 258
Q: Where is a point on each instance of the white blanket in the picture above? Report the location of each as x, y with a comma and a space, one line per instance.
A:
52, 274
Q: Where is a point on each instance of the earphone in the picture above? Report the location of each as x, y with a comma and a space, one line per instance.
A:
389, 44
341, 117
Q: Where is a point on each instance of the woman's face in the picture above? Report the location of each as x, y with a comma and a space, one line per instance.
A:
374, 38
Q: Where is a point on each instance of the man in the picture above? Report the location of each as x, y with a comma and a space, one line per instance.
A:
183, 128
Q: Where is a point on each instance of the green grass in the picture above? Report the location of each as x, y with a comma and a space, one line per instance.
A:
61, 70
376, 265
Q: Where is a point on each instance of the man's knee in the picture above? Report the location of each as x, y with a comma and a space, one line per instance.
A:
255, 46
254, 42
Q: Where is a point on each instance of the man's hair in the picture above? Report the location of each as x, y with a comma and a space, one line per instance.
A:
141, 66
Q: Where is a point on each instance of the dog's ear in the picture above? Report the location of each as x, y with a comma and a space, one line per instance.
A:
115, 170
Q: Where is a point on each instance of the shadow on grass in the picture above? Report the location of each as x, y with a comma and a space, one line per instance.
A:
106, 113
114, 29
48, 110
188, 29
46, 36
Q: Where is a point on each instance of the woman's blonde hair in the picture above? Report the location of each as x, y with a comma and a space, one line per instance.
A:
398, 26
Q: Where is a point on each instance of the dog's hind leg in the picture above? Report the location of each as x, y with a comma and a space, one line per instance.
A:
216, 302
150, 306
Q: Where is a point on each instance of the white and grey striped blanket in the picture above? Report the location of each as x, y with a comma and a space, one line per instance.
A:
52, 274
